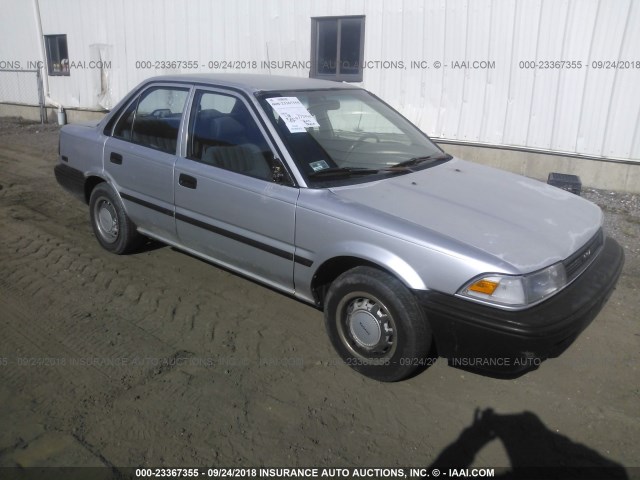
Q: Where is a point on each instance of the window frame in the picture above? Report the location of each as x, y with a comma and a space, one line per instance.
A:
189, 117
315, 43
196, 97
135, 100
49, 42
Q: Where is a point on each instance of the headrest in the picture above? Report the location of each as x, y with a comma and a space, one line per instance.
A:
226, 127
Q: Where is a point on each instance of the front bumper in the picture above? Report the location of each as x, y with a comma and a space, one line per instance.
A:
481, 337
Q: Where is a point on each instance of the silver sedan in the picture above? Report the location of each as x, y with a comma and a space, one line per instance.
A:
326, 193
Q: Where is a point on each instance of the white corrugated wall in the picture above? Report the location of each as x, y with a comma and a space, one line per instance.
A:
588, 111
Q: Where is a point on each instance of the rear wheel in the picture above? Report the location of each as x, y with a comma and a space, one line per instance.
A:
111, 225
376, 325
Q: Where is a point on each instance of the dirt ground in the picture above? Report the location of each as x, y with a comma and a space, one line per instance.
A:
159, 359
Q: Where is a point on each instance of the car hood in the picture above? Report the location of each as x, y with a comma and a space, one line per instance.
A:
523, 222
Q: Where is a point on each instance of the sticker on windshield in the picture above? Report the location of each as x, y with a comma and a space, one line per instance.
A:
319, 165
292, 111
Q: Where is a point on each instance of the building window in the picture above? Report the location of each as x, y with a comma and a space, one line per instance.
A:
57, 54
337, 48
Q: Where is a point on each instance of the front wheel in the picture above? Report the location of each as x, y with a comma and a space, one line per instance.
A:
376, 324
111, 225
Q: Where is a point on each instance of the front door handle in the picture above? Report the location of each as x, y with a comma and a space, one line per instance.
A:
187, 181
115, 158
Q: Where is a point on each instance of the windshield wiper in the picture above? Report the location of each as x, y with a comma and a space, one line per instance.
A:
418, 160
342, 172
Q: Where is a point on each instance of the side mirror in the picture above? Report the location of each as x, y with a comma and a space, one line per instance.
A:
278, 173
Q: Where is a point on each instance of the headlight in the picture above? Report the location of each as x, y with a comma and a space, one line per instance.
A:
516, 290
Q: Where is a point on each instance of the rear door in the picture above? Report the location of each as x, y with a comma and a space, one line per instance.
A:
228, 206
140, 155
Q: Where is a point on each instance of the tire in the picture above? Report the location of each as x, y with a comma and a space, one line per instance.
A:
376, 325
112, 227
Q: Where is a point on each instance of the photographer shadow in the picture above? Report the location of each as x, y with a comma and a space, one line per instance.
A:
534, 451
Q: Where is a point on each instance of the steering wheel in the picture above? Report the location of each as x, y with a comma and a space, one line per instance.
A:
362, 139
161, 112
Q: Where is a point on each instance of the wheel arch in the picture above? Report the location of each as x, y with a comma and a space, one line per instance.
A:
335, 266
89, 184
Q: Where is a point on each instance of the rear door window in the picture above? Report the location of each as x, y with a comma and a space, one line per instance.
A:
153, 120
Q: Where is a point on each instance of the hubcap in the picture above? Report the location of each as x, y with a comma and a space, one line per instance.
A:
106, 220
366, 327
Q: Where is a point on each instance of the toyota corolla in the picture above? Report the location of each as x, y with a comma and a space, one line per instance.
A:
326, 193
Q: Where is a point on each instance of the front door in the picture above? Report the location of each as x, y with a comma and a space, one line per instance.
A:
227, 205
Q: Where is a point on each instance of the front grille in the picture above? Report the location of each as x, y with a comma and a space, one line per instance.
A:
583, 257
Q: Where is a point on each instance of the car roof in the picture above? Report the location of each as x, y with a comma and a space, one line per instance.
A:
252, 83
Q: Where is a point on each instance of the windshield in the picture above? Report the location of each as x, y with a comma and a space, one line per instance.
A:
347, 134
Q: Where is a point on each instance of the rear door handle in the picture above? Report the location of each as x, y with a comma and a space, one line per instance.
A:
187, 181
115, 158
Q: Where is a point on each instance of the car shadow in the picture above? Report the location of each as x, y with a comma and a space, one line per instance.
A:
534, 451
506, 374
149, 245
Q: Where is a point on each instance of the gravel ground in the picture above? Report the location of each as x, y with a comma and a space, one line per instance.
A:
622, 216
